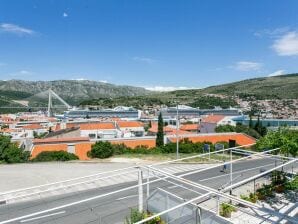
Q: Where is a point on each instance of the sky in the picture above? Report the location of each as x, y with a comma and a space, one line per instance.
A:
157, 44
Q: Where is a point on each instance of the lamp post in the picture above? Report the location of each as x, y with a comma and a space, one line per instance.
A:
177, 136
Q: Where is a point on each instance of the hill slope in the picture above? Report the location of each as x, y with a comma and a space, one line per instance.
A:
276, 87
71, 91
109, 95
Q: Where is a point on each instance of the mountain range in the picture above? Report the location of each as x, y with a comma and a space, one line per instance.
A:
85, 92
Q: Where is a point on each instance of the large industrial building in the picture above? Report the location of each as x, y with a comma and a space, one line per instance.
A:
186, 111
117, 112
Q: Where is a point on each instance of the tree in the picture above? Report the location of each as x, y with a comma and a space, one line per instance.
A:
250, 120
160, 134
225, 128
10, 152
283, 138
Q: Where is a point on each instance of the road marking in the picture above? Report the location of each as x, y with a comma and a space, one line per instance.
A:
41, 217
131, 196
210, 178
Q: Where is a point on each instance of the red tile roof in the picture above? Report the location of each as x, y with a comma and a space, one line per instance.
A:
129, 124
33, 127
189, 127
167, 130
97, 126
213, 118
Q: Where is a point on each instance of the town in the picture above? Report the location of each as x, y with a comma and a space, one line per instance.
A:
148, 112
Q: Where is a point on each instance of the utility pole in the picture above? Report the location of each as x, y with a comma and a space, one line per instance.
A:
140, 189
177, 136
231, 170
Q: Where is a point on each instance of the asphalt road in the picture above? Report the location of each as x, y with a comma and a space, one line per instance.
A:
114, 208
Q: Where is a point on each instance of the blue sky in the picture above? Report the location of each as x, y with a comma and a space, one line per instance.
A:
156, 43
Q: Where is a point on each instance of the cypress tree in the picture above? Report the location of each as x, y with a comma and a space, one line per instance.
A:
160, 135
250, 121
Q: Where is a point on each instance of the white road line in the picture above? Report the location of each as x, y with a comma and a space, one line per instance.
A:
131, 196
172, 187
41, 217
210, 178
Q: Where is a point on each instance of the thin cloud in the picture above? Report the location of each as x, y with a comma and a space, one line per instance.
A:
272, 32
65, 14
246, 66
79, 79
15, 29
168, 88
287, 44
84, 79
21, 74
144, 60
277, 73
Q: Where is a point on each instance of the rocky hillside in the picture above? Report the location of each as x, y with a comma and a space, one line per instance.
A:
278, 87
71, 91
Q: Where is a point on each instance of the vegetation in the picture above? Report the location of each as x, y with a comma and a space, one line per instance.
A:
41, 135
169, 99
283, 138
10, 152
160, 134
251, 198
279, 184
136, 216
106, 149
292, 185
101, 150
47, 156
278, 87
238, 128
226, 210
108, 95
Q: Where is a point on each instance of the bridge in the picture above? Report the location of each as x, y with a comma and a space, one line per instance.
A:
51, 94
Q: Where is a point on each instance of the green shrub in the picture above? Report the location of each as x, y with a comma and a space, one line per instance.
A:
13, 154
292, 185
102, 150
265, 191
244, 197
226, 210
54, 156
10, 152
253, 197
120, 149
136, 216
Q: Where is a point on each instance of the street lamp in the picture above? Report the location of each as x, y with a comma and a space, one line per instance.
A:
177, 136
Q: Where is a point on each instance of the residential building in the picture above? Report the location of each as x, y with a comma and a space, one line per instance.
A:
131, 128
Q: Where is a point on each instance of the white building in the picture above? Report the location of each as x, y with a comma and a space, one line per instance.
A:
99, 130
